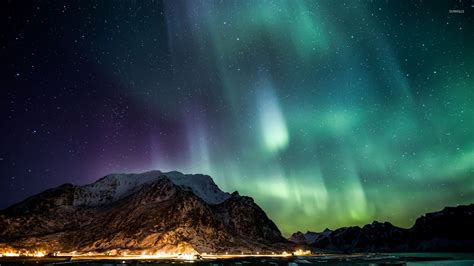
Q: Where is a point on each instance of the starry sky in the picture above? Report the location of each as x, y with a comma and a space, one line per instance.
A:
328, 113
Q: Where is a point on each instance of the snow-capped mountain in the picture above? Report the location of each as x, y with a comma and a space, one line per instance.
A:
117, 186
152, 211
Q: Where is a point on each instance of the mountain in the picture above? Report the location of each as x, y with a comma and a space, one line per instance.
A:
148, 212
450, 229
298, 238
308, 237
447, 230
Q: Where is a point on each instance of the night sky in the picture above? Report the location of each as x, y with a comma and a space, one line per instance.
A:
328, 113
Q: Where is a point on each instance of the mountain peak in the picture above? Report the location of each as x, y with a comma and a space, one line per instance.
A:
117, 186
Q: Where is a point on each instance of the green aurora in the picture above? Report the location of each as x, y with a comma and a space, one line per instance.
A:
336, 114
328, 113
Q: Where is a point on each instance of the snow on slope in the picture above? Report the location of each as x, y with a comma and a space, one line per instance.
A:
202, 185
312, 237
117, 186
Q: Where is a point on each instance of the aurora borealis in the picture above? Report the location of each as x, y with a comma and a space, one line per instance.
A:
327, 113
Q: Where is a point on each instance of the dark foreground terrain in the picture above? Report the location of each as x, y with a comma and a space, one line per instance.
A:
330, 259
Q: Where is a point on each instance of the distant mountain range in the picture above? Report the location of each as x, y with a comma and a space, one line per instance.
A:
152, 211
180, 213
450, 229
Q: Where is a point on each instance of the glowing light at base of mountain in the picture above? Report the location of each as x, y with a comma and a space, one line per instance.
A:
39, 254
151, 255
10, 254
301, 252
16, 253
187, 256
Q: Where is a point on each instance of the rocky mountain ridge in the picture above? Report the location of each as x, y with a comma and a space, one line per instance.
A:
447, 230
153, 211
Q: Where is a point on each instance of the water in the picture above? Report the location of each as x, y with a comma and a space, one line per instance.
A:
458, 259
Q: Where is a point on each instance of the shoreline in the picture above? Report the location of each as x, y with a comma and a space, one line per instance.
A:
229, 258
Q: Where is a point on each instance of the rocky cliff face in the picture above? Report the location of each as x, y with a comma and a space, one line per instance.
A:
151, 212
446, 230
